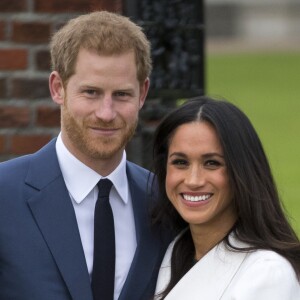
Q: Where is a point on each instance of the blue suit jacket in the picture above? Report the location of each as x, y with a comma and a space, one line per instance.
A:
41, 255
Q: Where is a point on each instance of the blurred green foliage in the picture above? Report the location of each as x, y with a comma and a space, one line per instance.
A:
266, 86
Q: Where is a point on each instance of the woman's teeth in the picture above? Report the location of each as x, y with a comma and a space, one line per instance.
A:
196, 198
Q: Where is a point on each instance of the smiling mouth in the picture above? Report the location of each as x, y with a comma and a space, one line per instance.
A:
196, 198
103, 132
104, 129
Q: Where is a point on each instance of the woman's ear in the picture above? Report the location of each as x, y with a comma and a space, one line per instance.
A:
56, 88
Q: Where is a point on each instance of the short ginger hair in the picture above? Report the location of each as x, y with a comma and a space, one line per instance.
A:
105, 33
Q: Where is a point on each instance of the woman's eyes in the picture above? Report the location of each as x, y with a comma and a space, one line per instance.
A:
208, 164
212, 164
179, 162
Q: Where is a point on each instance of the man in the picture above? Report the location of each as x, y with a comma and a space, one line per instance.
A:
101, 65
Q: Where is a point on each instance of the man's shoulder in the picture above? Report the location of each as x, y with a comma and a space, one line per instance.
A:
14, 165
137, 170
17, 167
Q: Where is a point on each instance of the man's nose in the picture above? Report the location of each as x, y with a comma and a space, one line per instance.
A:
105, 110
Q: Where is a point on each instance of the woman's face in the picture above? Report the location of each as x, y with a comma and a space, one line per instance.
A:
197, 182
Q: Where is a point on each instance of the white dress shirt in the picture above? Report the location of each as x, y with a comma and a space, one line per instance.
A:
81, 182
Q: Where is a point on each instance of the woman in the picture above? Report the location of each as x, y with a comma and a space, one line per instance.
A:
216, 187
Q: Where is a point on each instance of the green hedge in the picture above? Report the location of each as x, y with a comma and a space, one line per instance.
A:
266, 86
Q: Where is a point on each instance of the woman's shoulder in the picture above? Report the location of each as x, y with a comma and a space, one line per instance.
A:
263, 259
264, 274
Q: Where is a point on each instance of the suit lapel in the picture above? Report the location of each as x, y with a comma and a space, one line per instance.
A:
148, 243
53, 212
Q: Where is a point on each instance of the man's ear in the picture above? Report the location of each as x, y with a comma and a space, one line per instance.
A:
144, 91
56, 88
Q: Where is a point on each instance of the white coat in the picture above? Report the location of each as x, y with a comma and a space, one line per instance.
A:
228, 275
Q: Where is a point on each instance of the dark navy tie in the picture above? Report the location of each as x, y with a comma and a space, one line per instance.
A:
103, 276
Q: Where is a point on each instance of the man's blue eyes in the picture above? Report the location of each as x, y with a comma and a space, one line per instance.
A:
116, 94
91, 92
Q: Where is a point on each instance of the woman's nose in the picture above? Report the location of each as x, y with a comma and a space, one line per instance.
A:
196, 177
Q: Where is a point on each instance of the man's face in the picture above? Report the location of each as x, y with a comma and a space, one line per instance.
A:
100, 106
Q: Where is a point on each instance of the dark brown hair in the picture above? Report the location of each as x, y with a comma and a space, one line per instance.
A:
261, 221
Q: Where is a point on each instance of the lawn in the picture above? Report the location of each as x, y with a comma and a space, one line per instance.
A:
266, 86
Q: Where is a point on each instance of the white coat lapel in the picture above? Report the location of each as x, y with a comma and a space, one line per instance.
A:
210, 277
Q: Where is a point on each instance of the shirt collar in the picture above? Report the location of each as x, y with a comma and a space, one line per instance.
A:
80, 179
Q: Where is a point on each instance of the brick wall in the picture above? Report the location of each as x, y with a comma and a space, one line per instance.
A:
28, 117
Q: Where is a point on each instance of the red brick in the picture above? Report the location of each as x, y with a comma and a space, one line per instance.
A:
23, 144
2, 144
13, 5
13, 59
30, 88
48, 116
3, 88
11, 116
43, 60
60, 6
2, 31
31, 32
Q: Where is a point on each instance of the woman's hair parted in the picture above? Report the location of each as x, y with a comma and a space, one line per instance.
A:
105, 33
261, 221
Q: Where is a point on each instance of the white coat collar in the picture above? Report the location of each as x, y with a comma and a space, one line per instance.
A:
209, 277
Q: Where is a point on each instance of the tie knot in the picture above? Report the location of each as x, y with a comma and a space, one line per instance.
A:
104, 186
